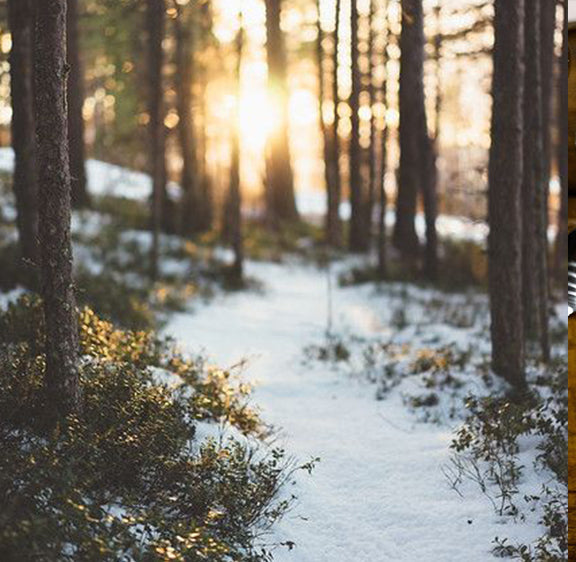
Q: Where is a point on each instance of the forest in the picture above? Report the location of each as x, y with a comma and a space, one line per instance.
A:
284, 280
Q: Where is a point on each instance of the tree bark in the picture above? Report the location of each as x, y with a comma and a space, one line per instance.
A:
411, 105
80, 197
357, 241
534, 191
235, 189
50, 73
280, 178
504, 195
191, 221
156, 23
335, 195
372, 150
21, 20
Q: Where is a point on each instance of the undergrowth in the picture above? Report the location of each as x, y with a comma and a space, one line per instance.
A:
130, 477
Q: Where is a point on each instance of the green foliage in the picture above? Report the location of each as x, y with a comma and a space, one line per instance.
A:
127, 478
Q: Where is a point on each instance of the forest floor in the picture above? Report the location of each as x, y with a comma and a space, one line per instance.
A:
379, 492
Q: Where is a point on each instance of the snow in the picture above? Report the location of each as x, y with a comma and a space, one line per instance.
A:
379, 492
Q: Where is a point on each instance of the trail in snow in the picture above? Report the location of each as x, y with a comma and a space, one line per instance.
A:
379, 493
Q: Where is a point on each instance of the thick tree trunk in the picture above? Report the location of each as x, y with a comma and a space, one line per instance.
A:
280, 179
357, 241
21, 20
156, 29
50, 73
80, 197
411, 107
334, 226
192, 207
534, 192
505, 181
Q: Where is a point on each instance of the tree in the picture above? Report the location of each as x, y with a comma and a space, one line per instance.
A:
411, 63
383, 203
504, 193
54, 189
372, 149
192, 208
534, 191
80, 197
235, 195
334, 225
21, 20
417, 158
281, 199
357, 240
156, 16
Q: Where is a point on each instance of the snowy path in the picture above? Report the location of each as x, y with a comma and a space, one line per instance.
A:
378, 493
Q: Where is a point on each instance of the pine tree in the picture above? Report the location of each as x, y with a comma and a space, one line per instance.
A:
21, 20
504, 195
80, 197
54, 188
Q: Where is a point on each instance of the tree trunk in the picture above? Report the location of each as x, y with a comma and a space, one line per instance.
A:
383, 203
54, 188
280, 179
534, 192
357, 240
156, 30
504, 195
562, 117
80, 197
411, 106
21, 20
235, 189
372, 150
335, 194
192, 207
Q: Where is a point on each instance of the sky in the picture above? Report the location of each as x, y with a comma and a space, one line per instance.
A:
572, 10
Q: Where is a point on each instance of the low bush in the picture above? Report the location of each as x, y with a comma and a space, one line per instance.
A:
129, 478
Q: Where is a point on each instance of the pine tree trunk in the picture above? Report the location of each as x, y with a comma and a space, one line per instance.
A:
335, 194
280, 179
156, 30
505, 182
80, 197
411, 105
235, 190
357, 241
372, 150
21, 20
534, 191
561, 250
383, 203
192, 207
54, 188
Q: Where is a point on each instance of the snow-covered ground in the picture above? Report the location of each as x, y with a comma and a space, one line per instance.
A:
379, 493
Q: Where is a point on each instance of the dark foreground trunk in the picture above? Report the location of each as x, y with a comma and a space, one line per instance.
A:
50, 72
505, 180
21, 19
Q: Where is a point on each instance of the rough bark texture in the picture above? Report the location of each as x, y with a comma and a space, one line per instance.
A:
21, 20
505, 180
191, 221
534, 191
411, 107
334, 226
50, 73
156, 29
280, 179
80, 197
357, 240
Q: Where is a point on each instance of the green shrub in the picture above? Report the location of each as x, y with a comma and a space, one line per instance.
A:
127, 478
